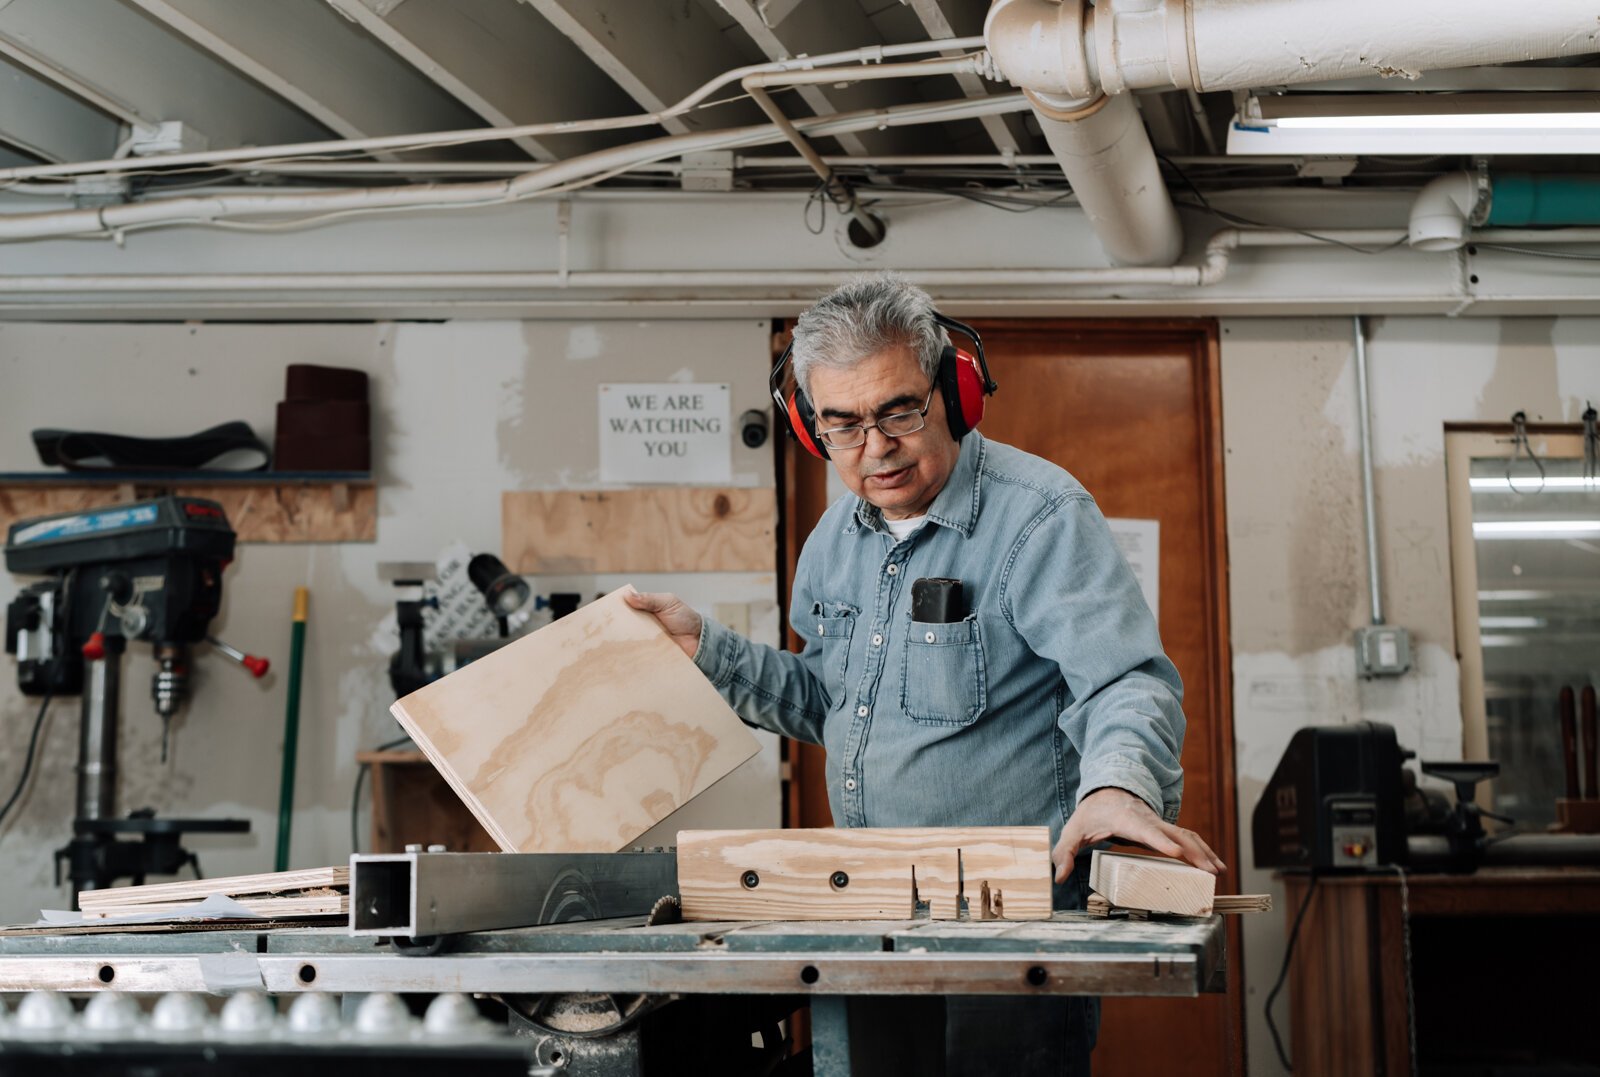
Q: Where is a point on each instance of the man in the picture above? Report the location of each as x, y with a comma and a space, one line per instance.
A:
1050, 703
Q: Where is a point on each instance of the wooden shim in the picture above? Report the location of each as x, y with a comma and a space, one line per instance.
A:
652, 529
794, 873
272, 882
578, 737
257, 512
1152, 883
326, 904
1222, 904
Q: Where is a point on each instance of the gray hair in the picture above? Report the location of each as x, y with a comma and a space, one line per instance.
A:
862, 317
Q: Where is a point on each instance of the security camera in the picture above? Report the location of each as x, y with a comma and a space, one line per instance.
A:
754, 426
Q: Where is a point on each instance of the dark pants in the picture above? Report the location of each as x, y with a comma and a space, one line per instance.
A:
986, 1034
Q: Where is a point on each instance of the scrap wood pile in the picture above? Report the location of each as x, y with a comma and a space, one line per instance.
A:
283, 894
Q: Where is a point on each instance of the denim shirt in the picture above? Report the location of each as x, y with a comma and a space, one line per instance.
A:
1054, 686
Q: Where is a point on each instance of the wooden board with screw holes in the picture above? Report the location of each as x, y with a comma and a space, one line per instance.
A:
864, 873
657, 529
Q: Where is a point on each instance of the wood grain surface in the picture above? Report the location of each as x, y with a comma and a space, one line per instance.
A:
1152, 883
655, 529
257, 512
578, 737
794, 873
272, 882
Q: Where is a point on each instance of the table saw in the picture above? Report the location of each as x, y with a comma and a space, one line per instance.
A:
607, 996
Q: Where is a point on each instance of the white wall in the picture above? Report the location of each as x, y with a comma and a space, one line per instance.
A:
1295, 519
461, 411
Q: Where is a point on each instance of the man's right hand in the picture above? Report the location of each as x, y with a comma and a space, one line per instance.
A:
676, 616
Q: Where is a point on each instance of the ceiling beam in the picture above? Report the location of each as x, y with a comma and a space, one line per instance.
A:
812, 28
39, 119
308, 55
120, 61
658, 52
501, 60
960, 18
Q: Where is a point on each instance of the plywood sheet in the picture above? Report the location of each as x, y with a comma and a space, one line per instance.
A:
578, 737
1152, 883
325, 903
795, 874
662, 529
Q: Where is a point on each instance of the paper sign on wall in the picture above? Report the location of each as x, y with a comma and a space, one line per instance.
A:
664, 432
1140, 543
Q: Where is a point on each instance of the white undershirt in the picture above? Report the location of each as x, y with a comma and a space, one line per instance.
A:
901, 529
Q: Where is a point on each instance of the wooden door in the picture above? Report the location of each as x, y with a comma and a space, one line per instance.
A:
1133, 410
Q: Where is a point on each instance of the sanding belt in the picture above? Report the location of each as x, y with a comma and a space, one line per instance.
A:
78, 450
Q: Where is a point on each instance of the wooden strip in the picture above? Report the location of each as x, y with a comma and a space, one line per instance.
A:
794, 873
257, 512
272, 882
1152, 883
652, 529
1222, 904
578, 737
328, 904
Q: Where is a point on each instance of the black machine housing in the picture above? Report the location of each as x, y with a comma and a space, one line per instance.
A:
1336, 801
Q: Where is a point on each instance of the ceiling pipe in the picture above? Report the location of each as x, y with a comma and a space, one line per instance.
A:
1450, 207
1065, 55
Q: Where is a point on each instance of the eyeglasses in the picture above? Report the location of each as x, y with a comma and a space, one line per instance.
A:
897, 425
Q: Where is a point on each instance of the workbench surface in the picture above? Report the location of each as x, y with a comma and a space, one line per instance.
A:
1072, 953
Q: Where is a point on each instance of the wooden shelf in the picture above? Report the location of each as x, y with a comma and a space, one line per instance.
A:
262, 506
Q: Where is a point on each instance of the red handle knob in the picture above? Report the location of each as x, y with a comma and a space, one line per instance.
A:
257, 666
95, 647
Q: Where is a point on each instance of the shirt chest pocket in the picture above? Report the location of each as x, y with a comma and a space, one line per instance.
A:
943, 681
835, 624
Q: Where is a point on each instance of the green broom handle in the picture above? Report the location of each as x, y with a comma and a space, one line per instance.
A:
291, 725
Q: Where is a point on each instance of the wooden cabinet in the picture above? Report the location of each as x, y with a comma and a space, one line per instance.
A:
1500, 972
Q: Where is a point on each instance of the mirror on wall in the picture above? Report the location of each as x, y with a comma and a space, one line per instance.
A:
1536, 549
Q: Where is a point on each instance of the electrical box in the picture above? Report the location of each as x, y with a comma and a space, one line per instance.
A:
1382, 651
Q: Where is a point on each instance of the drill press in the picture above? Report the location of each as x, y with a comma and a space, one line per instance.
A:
146, 571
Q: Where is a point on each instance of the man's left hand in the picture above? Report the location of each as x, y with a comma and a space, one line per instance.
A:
1116, 813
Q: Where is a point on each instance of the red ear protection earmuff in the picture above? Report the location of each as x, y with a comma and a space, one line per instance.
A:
963, 381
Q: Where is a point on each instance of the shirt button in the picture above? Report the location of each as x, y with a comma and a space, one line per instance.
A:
820, 628
861, 711
893, 570
877, 641
929, 637
850, 783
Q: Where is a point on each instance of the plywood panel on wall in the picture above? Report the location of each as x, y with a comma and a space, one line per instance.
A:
658, 529
578, 737
257, 512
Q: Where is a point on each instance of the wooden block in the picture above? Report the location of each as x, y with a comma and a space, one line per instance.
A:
1152, 883
274, 882
652, 529
578, 737
794, 873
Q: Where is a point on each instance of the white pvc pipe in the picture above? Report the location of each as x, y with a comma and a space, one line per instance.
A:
1443, 211
202, 209
1108, 160
1063, 47
1214, 268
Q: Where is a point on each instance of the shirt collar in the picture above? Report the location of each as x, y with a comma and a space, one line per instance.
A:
955, 506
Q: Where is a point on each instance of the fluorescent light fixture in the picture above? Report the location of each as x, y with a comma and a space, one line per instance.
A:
1533, 484
1417, 123
1512, 622
1536, 529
